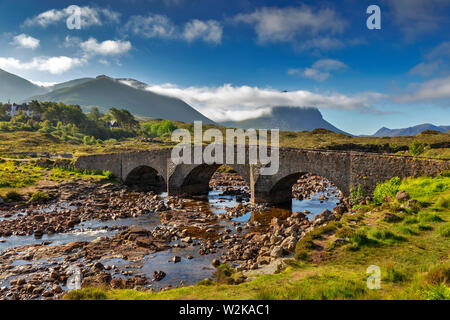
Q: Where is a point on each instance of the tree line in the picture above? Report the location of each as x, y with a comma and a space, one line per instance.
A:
69, 122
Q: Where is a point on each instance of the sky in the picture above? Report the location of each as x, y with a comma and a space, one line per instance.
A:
234, 60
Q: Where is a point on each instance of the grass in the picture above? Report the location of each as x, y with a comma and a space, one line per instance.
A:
19, 177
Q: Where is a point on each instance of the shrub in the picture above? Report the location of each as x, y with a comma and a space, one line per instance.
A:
225, 274
86, 294
321, 131
359, 239
345, 232
108, 175
388, 188
392, 218
158, 129
444, 230
444, 202
411, 220
356, 194
13, 196
386, 235
438, 274
304, 247
407, 230
395, 275
416, 148
429, 217
441, 292
40, 197
424, 227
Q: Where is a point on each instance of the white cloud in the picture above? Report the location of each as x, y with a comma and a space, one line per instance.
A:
292, 23
53, 65
418, 17
105, 48
321, 43
425, 69
89, 17
429, 91
151, 26
43, 84
160, 26
320, 70
208, 31
435, 61
229, 102
70, 42
25, 41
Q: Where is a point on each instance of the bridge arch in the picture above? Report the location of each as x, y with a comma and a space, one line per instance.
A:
279, 190
146, 178
194, 179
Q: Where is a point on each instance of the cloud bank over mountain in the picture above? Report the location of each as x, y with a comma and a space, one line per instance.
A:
234, 103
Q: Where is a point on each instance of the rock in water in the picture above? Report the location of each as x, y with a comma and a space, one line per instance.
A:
216, 263
158, 275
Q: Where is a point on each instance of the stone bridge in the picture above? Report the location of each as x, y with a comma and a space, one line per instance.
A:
154, 169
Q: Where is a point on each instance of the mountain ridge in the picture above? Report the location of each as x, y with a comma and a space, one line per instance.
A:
106, 92
13, 87
409, 131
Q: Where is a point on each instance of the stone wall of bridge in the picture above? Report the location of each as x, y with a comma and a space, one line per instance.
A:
343, 169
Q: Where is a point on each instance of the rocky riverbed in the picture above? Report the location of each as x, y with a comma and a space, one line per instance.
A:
107, 234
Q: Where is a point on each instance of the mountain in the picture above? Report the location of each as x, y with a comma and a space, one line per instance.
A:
287, 119
15, 88
410, 131
105, 93
68, 84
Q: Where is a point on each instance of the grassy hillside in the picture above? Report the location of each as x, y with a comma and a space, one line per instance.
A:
412, 252
435, 145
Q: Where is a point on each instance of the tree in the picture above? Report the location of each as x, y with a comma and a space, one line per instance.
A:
124, 118
416, 148
158, 129
95, 115
35, 108
3, 115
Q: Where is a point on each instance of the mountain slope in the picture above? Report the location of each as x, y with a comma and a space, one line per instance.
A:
287, 119
409, 131
68, 84
15, 88
106, 93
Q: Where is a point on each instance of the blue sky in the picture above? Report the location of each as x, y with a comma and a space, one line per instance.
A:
233, 59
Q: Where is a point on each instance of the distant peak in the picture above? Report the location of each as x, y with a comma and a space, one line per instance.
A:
102, 76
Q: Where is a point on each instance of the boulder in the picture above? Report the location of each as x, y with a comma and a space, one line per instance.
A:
215, 263
158, 275
277, 252
402, 196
